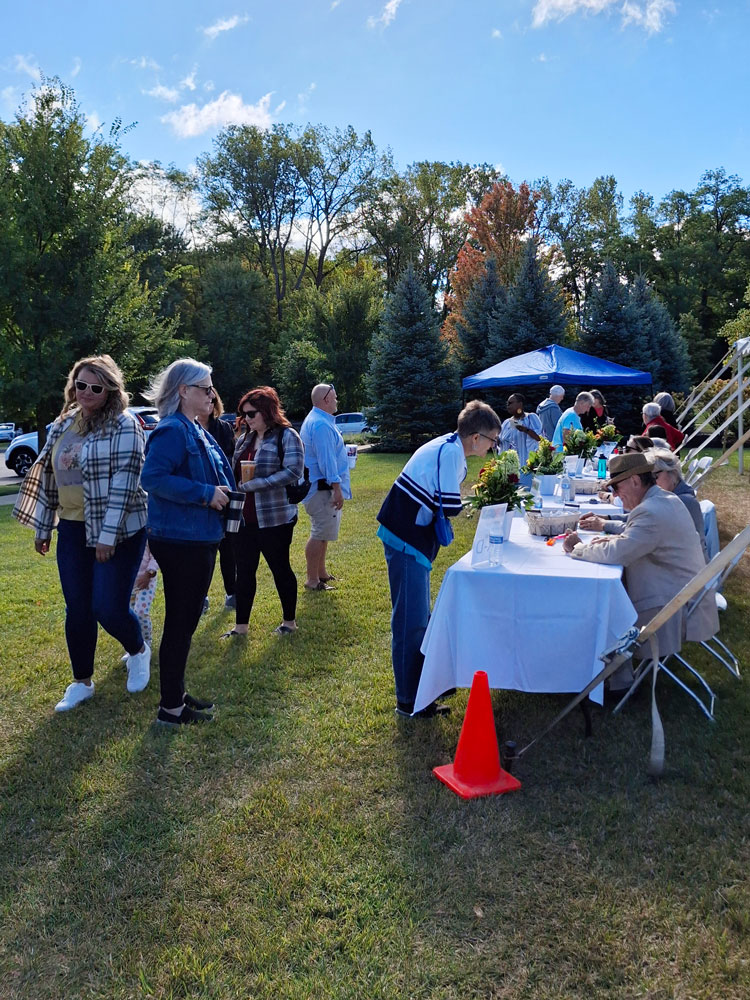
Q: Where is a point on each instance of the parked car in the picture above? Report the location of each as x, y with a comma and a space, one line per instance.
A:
21, 454
7, 431
353, 423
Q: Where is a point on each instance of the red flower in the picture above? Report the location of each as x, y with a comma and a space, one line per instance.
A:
513, 478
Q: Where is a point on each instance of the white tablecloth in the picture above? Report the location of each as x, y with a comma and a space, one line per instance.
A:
537, 623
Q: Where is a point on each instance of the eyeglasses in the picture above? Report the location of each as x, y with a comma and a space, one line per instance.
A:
249, 414
208, 389
331, 388
82, 386
495, 440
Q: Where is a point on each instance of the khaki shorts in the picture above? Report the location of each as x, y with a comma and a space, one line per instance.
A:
324, 518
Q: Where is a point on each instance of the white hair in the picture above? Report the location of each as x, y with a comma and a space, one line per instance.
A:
557, 392
666, 461
164, 391
651, 410
585, 397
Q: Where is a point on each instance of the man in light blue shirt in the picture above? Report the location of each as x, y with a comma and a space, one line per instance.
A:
328, 467
571, 419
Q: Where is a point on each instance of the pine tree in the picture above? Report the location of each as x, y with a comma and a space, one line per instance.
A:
612, 331
534, 314
411, 381
487, 294
668, 356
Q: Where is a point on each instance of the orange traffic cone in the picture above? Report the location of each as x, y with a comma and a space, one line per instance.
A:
476, 770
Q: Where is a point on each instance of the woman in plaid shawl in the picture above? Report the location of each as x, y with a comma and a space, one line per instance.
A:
86, 483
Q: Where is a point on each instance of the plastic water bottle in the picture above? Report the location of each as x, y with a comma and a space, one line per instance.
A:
601, 467
538, 502
496, 546
566, 487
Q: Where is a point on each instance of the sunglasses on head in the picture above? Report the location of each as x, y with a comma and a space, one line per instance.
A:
82, 386
249, 414
331, 388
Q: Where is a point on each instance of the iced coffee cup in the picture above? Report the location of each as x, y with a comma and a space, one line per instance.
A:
247, 471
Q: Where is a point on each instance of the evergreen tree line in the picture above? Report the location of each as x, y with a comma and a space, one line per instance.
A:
297, 255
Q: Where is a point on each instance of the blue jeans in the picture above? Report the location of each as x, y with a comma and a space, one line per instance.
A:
97, 594
410, 598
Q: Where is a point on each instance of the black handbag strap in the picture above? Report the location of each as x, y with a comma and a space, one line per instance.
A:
280, 450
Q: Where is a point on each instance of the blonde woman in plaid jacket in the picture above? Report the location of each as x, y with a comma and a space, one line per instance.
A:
86, 483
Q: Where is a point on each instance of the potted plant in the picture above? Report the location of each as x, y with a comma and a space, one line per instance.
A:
500, 482
580, 445
545, 464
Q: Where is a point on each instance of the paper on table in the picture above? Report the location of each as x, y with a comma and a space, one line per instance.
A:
489, 517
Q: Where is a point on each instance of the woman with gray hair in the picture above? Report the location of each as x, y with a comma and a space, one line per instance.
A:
668, 475
187, 477
652, 418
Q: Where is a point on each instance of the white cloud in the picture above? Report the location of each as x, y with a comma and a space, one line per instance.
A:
76, 67
209, 86
189, 82
303, 99
334, 4
27, 64
93, 121
651, 15
145, 62
496, 33
228, 109
387, 15
162, 93
541, 58
225, 24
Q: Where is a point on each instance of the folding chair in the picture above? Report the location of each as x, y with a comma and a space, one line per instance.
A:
614, 658
704, 465
690, 472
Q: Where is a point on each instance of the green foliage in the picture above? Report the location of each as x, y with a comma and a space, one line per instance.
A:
486, 297
300, 367
341, 320
665, 346
70, 281
739, 327
533, 314
411, 382
232, 326
581, 443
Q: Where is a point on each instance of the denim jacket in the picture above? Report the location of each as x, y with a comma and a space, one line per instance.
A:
183, 467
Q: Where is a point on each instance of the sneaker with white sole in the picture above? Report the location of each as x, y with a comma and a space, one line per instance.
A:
75, 693
139, 670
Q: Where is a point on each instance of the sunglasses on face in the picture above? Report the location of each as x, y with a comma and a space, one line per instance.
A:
82, 386
208, 389
249, 414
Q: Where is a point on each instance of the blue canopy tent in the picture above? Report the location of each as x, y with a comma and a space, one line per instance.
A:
555, 364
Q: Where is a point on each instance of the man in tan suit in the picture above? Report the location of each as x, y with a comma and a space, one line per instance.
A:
659, 548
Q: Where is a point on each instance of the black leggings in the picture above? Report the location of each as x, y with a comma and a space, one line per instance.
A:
274, 544
186, 572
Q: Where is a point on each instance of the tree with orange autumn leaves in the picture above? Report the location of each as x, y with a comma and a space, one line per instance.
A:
498, 227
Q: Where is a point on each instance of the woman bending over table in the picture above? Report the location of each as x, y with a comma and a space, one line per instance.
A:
407, 531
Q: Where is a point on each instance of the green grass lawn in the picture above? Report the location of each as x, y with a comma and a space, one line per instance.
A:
300, 847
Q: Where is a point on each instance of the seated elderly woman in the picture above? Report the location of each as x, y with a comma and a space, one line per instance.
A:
652, 418
668, 475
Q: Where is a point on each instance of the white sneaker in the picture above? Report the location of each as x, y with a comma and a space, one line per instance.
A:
75, 693
139, 670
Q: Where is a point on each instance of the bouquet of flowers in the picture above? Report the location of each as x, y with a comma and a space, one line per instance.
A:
581, 443
499, 482
606, 434
545, 461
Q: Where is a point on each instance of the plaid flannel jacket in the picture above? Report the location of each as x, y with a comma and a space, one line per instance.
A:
113, 501
270, 481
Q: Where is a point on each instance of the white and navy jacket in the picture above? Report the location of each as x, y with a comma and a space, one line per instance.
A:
408, 511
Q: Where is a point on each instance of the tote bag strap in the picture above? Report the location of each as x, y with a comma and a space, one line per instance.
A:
449, 440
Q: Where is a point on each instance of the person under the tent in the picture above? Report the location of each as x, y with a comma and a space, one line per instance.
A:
571, 419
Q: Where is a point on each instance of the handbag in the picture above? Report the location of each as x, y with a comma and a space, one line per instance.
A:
443, 527
295, 492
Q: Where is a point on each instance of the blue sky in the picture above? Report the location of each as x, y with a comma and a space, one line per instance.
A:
652, 91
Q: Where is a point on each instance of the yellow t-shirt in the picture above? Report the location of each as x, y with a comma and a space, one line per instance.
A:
66, 465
